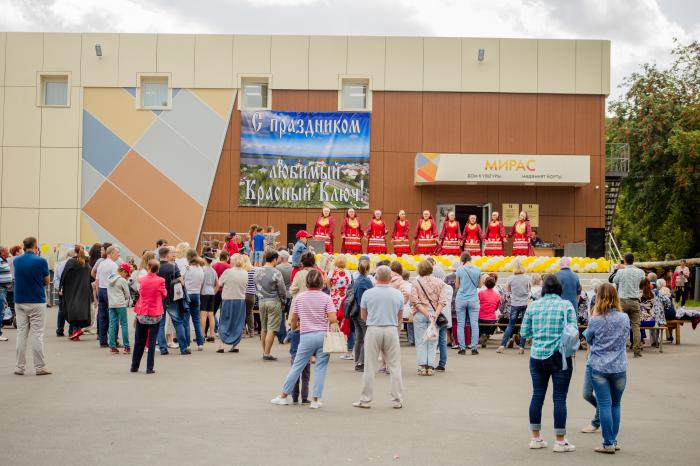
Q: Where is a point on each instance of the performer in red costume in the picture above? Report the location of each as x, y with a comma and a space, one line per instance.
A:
472, 237
450, 236
351, 232
522, 236
495, 236
399, 237
324, 230
426, 234
376, 234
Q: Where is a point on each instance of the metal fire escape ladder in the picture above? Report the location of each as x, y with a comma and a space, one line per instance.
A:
617, 167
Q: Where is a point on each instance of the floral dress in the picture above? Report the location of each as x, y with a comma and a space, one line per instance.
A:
339, 282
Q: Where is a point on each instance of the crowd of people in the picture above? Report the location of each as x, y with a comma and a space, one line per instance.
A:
183, 298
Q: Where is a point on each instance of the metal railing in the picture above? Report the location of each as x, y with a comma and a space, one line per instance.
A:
611, 250
617, 158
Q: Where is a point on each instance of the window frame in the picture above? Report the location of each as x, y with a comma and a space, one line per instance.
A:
46, 77
145, 78
344, 80
244, 79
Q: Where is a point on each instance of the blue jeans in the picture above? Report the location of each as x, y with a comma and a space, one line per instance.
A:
515, 317
467, 307
257, 257
410, 334
589, 396
3, 305
102, 315
540, 372
60, 321
282, 332
608, 390
425, 350
351, 338
117, 318
294, 338
191, 311
442, 346
175, 312
310, 343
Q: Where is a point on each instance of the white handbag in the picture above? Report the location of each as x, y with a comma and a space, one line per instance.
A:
178, 292
335, 342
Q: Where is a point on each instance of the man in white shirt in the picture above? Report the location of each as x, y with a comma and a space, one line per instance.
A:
382, 308
106, 268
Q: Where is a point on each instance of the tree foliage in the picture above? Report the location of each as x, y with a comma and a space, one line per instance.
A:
658, 213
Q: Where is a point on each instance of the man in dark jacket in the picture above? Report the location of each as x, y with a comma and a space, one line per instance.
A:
171, 275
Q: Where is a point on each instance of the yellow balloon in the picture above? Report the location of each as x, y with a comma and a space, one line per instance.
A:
44, 248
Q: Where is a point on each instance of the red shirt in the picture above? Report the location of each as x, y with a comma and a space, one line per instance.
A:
232, 247
489, 300
151, 295
220, 268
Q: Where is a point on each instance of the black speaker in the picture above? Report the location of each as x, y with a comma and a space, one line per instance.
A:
595, 242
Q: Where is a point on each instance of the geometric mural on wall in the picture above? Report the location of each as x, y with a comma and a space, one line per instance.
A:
148, 174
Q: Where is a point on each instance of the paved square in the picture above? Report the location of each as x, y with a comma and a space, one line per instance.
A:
211, 408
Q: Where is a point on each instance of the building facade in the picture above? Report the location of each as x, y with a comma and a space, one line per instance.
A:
134, 137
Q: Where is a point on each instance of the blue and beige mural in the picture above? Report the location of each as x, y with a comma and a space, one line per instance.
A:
148, 174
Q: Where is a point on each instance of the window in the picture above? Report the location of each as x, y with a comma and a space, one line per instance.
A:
54, 90
355, 94
255, 92
154, 92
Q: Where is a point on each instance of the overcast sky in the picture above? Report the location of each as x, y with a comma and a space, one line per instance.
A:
640, 30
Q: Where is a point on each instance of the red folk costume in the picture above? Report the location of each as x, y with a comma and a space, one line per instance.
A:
493, 242
324, 230
450, 238
402, 244
376, 236
352, 236
522, 237
426, 236
472, 239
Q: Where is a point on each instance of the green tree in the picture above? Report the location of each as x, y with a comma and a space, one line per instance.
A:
658, 211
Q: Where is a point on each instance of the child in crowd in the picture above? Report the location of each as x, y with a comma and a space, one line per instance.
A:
446, 331
489, 302
258, 247
208, 311
407, 314
231, 243
294, 337
119, 298
271, 238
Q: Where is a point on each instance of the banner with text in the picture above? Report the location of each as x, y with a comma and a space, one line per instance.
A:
512, 169
304, 160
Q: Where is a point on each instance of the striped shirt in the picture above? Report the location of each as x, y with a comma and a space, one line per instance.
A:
313, 307
627, 281
544, 323
250, 287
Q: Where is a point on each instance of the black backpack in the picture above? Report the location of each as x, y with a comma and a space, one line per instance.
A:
351, 308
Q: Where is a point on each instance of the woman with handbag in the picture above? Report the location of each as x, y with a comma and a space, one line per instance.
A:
427, 301
313, 311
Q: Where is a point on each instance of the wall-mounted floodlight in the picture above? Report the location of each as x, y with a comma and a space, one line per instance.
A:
98, 50
482, 55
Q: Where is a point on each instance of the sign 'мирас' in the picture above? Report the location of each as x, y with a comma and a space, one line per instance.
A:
304, 160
